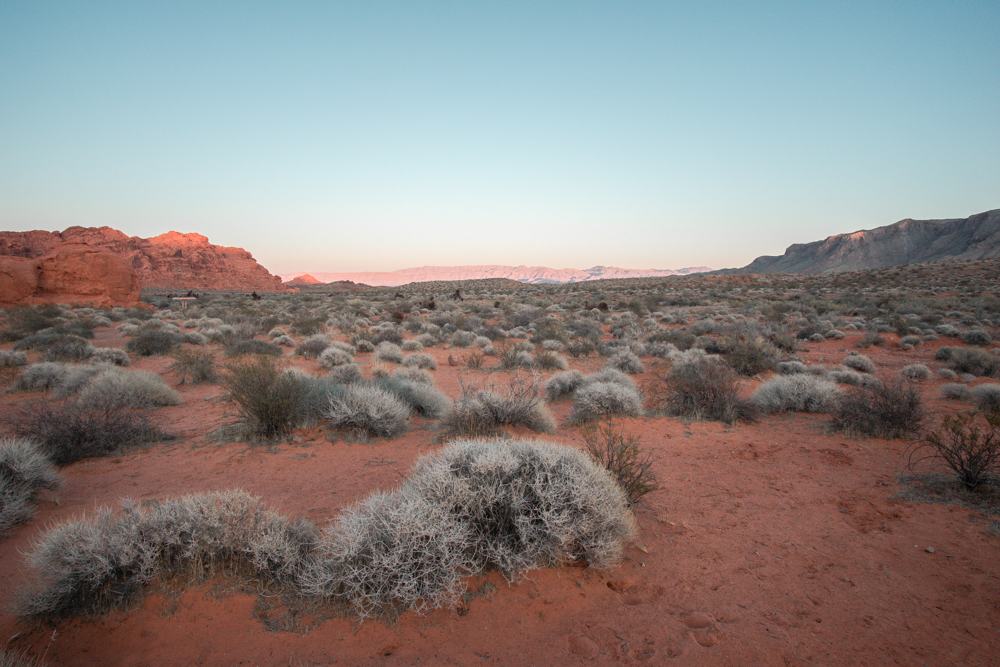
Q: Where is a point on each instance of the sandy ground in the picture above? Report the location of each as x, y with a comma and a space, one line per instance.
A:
776, 543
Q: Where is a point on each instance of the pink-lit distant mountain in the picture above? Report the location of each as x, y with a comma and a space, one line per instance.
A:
525, 274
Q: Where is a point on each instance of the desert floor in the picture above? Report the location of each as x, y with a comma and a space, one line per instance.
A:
775, 543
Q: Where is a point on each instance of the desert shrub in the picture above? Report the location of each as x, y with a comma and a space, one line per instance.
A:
974, 360
134, 389
241, 347
198, 366
580, 347
987, 397
859, 362
911, 340
368, 411
888, 409
110, 355
561, 385
943, 353
43, 376
67, 433
420, 360
474, 359
152, 341
946, 374
853, 378
750, 356
312, 346
267, 399
463, 339
103, 562
623, 456
388, 352
627, 362
871, 337
790, 367
24, 469
801, 393
69, 348
964, 445
332, 357
977, 337
547, 360
390, 553
486, 412
915, 372
307, 326
345, 374
412, 346
423, 398
392, 336
956, 391
11, 359
703, 387
418, 375
604, 399
283, 341
193, 338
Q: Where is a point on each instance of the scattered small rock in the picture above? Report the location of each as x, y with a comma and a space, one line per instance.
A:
929, 550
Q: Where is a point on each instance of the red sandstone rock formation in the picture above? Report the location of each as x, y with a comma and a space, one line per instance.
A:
69, 273
304, 279
167, 261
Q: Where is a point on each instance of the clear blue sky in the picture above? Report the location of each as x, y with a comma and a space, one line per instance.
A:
376, 136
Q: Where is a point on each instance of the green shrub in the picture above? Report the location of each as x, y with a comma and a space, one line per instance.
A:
622, 455
887, 409
67, 433
267, 398
197, 365
152, 341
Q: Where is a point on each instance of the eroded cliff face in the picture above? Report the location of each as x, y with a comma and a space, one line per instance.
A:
905, 242
168, 261
69, 273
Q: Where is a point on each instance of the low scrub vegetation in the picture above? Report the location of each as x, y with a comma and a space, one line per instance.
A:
891, 408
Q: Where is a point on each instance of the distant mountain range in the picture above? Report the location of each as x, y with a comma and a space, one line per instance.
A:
525, 274
905, 242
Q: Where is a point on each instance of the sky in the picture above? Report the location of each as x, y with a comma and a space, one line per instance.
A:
374, 136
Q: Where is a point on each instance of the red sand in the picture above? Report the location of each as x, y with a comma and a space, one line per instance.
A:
776, 543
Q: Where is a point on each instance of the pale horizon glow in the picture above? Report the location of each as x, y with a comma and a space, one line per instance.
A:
350, 137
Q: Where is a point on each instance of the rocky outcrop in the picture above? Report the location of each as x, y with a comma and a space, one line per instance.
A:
168, 261
304, 279
524, 274
69, 273
905, 242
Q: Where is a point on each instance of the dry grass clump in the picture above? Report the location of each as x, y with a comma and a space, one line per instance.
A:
801, 393
91, 565
8, 659
368, 411
24, 469
891, 408
267, 398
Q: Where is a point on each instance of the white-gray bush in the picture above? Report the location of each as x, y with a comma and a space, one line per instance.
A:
859, 362
602, 399
388, 352
420, 360
368, 410
24, 469
956, 391
627, 362
801, 393
9, 359
332, 357
110, 355
423, 398
915, 372
136, 389
561, 385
